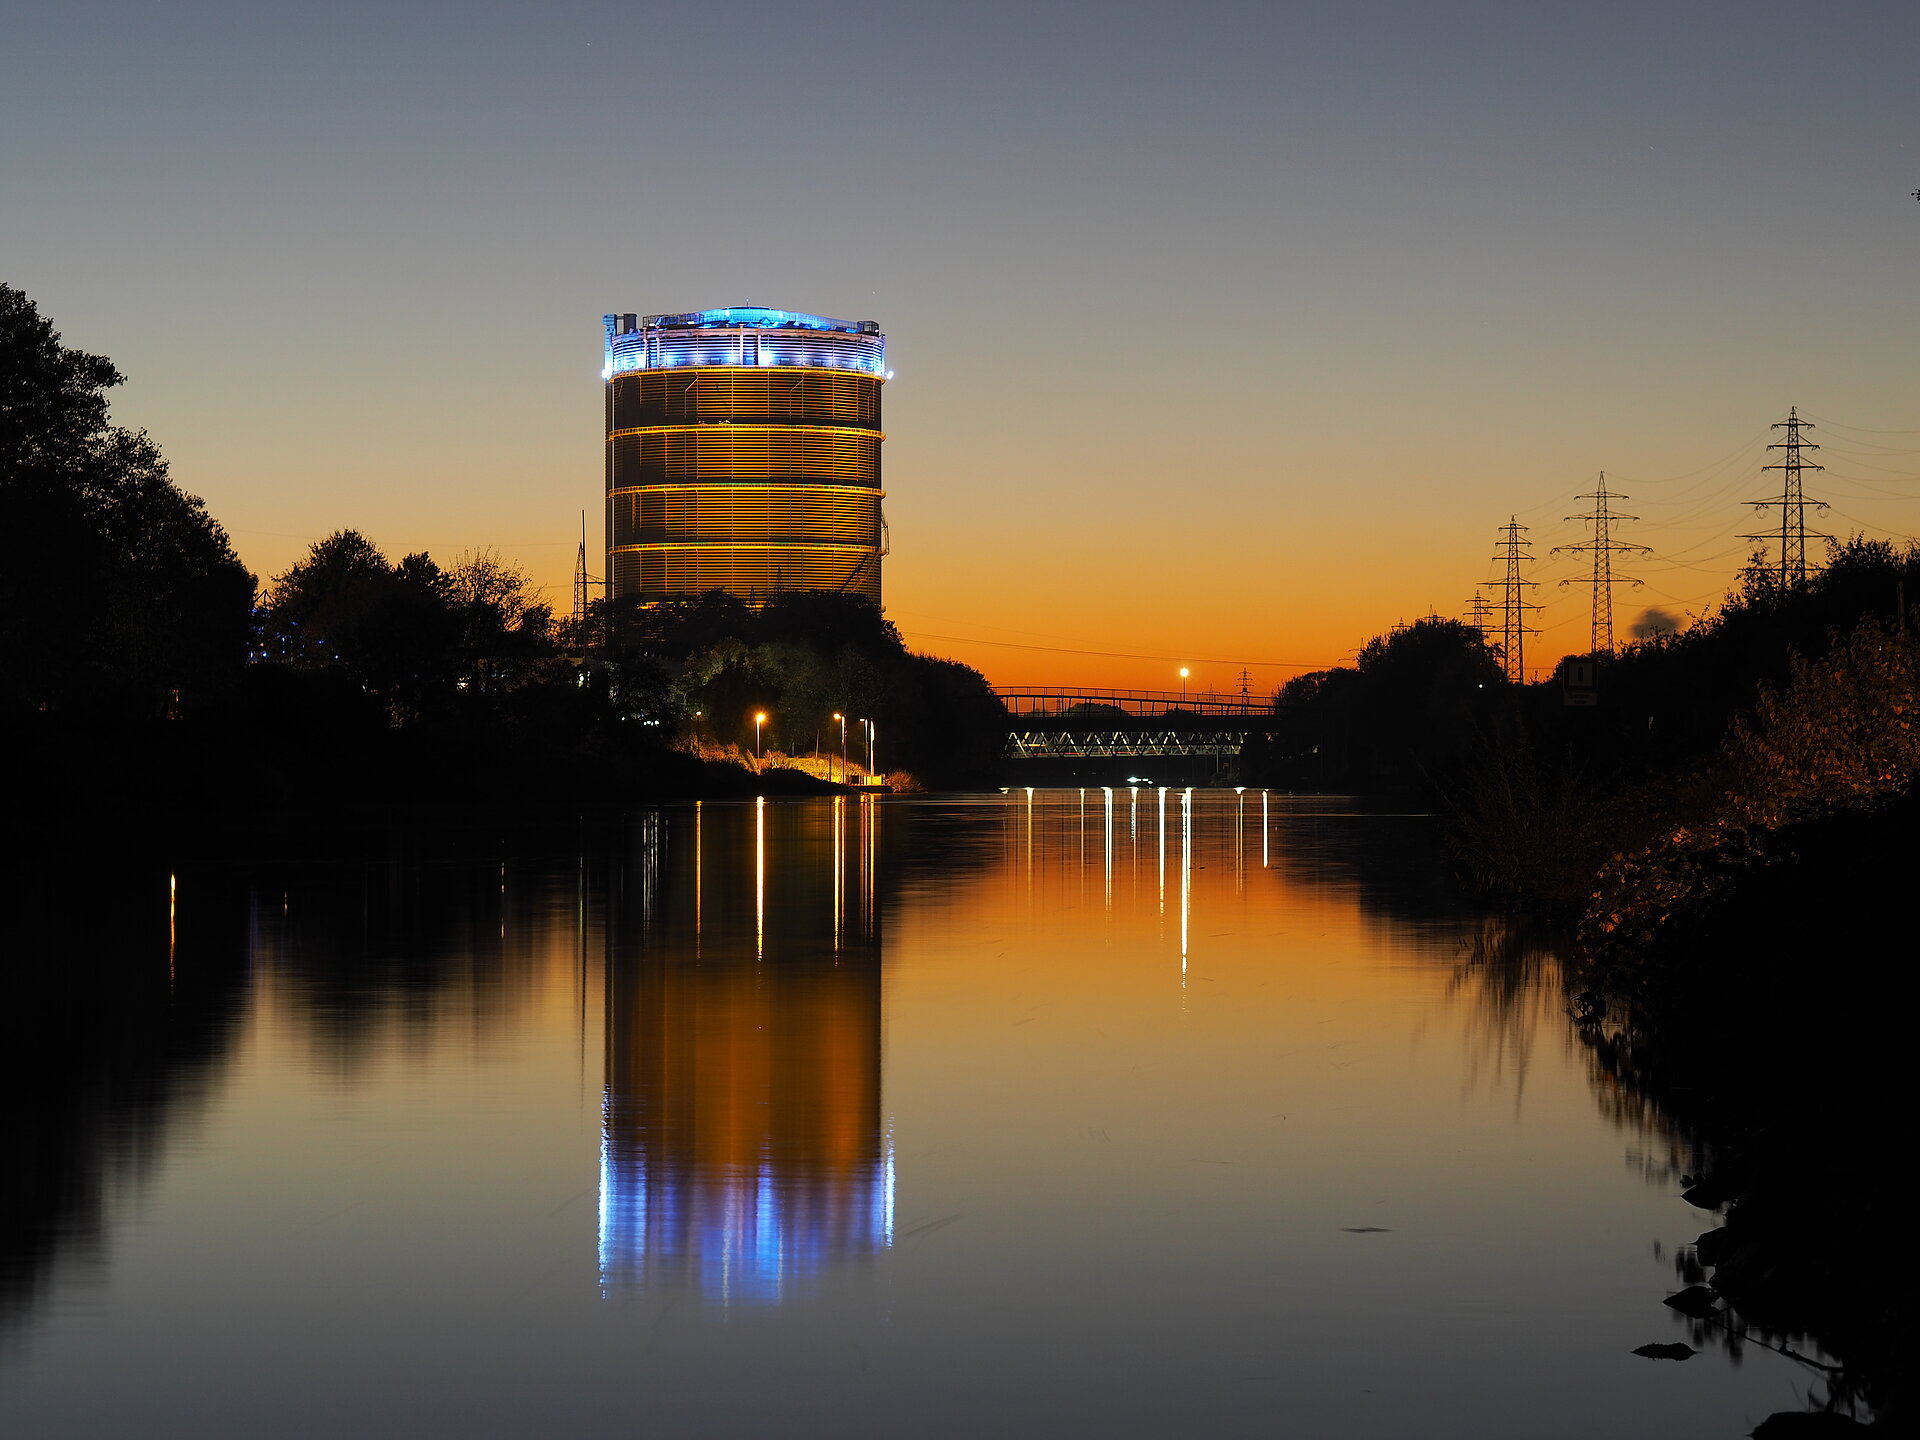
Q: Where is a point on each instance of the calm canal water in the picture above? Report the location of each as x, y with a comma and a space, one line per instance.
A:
1049, 1114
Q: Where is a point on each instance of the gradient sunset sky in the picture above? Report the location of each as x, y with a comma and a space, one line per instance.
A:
1222, 334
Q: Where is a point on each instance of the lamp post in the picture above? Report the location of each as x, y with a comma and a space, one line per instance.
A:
871, 730
1184, 672
759, 719
843, 745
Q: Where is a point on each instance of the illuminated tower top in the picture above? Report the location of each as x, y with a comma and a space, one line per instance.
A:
743, 454
744, 335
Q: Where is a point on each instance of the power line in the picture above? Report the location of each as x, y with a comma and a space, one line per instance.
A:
1862, 429
1702, 475
1660, 564
1125, 654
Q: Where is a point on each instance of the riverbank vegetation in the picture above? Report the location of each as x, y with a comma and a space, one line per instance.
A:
143, 668
1730, 833
1726, 842
1410, 715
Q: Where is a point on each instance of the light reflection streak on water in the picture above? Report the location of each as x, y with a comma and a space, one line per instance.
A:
634, 1208
1107, 792
580, 948
1029, 847
1239, 840
1048, 824
1264, 831
1163, 849
759, 877
870, 866
1186, 876
886, 1190
839, 868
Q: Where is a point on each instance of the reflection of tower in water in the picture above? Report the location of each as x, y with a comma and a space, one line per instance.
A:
743, 1148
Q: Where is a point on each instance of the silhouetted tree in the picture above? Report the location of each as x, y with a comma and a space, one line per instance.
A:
503, 630
1409, 714
117, 590
392, 629
801, 657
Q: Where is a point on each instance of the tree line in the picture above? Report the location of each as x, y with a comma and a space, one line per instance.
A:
131, 633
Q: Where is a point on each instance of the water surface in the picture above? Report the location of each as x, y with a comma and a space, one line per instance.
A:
1063, 1113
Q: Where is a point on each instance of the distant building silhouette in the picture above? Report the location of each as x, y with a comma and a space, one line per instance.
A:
743, 453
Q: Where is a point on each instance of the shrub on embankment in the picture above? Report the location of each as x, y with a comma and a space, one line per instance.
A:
1748, 965
1768, 1010
1553, 794
1841, 738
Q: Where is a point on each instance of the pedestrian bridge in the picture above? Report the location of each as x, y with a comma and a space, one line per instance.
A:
1074, 723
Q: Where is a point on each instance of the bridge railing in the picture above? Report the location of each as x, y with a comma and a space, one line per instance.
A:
1094, 744
1055, 700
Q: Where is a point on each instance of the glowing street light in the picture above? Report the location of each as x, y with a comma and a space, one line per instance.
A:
843, 745
1184, 672
759, 719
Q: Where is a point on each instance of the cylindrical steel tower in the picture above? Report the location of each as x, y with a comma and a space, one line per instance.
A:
743, 453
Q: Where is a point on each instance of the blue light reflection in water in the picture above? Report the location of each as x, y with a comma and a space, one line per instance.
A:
743, 1237
743, 1146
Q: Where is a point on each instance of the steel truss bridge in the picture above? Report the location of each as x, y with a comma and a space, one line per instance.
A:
1061, 723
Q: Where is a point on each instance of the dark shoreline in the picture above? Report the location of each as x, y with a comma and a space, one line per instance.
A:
1772, 1017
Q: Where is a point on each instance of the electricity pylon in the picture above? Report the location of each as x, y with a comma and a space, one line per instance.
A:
1793, 502
582, 586
1603, 547
1513, 604
1478, 609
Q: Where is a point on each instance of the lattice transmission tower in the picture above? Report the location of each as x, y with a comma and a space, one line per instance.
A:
582, 586
1478, 609
1793, 502
1602, 547
1513, 604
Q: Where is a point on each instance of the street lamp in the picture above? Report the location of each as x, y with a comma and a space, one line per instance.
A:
759, 719
1184, 672
843, 745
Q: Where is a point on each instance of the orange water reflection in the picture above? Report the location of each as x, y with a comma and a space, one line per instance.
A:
744, 1148
1211, 1113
